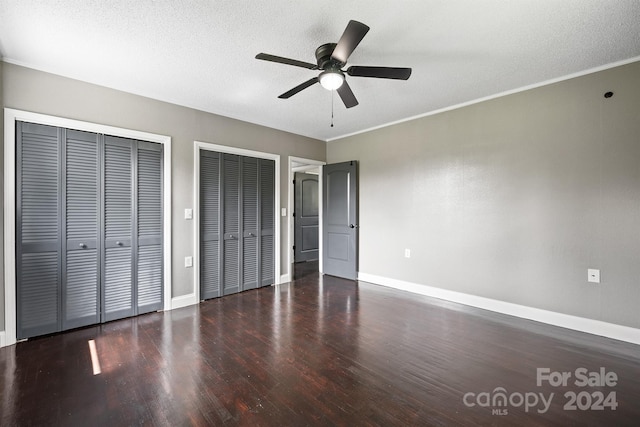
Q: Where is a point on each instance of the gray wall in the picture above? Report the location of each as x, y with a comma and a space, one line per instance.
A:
512, 199
35, 91
2, 210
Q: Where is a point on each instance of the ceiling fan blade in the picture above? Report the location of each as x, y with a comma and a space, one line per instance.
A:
347, 95
352, 36
300, 87
380, 72
287, 61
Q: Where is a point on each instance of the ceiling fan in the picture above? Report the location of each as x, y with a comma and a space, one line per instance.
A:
331, 58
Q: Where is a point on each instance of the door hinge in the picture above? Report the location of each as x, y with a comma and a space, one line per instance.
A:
293, 214
294, 247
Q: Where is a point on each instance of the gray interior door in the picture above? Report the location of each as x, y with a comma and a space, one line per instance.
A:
340, 216
118, 280
306, 217
149, 280
237, 196
89, 228
210, 231
267, 222
133, 260
81, 214
231, 224
250, 234
38, 250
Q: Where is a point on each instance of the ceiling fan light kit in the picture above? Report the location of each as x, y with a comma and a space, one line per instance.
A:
331, 79
331, 58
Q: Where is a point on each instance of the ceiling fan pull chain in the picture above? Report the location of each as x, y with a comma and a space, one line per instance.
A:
332, 107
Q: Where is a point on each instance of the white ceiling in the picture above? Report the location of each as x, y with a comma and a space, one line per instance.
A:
200, 53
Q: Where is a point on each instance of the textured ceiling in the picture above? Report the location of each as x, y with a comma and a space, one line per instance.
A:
200, 53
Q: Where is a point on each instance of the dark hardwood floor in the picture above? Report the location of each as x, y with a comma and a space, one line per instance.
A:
303, 269
318, 351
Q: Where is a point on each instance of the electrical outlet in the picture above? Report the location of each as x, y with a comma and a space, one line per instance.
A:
407, 253
188, 261
593, 275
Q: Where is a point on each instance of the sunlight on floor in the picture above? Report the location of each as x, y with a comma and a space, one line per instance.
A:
95, 362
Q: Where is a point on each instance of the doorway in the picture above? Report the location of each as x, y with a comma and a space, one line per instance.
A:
304, 222
305, 216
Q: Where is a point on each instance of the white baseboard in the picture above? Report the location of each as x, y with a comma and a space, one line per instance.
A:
183, 301
2, 341
285, 278
595, 327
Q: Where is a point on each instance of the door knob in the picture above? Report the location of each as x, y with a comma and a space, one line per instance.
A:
82, 245
119, 243
353, 226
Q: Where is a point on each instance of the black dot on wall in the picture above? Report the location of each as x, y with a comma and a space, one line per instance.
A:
608, 94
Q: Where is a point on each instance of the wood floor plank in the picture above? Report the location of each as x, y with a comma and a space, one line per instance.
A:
317, 351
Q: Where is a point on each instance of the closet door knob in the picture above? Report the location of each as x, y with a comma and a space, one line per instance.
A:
119, 243
82, 245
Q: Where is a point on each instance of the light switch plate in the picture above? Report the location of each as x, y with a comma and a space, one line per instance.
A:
593, 275
284, 211
188, 214
188, 261
407, 253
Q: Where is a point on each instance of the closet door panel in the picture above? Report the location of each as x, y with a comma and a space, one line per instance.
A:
118, 295
231, 221
267, 222
149, 221
150, 287
210, 260
39, 300
81, 283
249, 223
38, 230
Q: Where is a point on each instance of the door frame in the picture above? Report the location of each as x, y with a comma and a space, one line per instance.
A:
197, 146
11, 116
290, 231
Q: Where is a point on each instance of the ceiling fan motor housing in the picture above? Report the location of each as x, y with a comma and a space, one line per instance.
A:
325, 61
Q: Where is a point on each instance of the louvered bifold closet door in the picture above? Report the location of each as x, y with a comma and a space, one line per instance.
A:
38, 226
267, 222
250, 203
118, 287
210, 214
231, 224
81, 185
149, 224
237, 222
